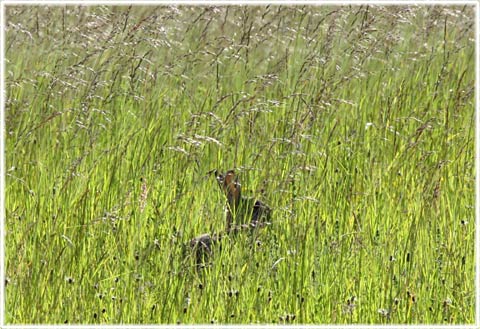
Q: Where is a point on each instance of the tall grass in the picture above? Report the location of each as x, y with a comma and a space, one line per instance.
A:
354, 123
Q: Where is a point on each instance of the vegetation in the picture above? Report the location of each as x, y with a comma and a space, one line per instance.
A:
355, 124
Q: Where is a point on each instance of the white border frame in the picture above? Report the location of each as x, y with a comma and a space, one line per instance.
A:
2, 166
477, 162
239, 2
4, 3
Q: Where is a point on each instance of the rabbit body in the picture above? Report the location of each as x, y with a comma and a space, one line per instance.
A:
202, 245
242, 214
241, 210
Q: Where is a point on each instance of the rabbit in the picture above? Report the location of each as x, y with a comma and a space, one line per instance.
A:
202, 246
238, 210
241, 212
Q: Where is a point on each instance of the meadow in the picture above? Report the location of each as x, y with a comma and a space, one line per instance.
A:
355, 124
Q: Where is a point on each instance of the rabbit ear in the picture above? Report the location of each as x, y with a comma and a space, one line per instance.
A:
220, 178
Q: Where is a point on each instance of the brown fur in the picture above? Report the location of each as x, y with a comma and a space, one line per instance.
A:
238, 210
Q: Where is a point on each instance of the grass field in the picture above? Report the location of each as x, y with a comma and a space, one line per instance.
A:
355, 124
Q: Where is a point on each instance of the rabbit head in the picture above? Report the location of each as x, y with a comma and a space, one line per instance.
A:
230, 186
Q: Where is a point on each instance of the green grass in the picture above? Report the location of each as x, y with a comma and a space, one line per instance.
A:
354, 123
